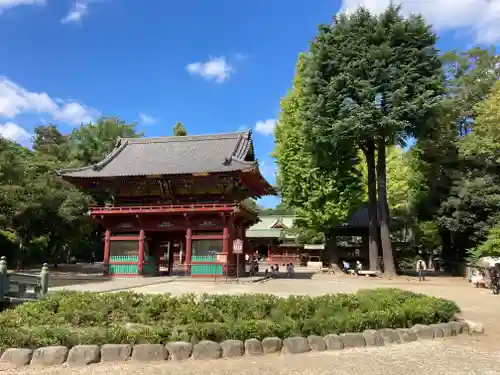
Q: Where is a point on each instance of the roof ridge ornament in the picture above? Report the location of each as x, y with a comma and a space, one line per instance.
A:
120, 144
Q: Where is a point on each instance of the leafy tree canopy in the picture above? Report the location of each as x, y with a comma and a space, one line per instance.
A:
321, 198
179, 129
42, 216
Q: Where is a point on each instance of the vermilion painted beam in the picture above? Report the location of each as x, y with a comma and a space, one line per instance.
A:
124, 238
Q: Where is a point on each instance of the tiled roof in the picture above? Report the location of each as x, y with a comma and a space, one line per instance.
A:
172, 155
265, 228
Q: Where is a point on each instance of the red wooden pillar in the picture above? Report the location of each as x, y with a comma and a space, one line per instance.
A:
225, 240
228, 268
107, 239
187, 264
269, 253
141, 251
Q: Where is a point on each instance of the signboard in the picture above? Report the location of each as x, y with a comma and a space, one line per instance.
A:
237, 246
165, 224
125, 225
221, 258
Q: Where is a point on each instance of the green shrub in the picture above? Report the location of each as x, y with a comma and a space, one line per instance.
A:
72, 318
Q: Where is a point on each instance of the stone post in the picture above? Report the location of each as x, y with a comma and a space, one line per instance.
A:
4, 286
44, 279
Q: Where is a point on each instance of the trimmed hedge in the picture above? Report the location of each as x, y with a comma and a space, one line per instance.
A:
72, 318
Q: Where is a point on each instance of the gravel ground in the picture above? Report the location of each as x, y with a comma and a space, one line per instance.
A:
438, 357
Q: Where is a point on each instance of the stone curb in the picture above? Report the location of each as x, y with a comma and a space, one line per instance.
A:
82, 355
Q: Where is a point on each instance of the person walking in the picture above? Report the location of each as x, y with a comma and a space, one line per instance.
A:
421, 269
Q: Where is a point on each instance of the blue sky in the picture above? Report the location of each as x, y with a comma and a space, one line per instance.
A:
215, 65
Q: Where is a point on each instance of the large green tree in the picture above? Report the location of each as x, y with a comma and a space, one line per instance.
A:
93, 141
48, 140
473, 205
322, 197
371, 81
437, 161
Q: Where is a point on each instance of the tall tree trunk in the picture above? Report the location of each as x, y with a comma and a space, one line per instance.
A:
373, 232
447, 251
383, 210
20, 255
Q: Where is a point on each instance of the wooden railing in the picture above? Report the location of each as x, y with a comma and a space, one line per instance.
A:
17, 288
200, 207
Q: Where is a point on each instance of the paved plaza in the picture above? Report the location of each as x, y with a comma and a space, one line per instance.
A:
456, 355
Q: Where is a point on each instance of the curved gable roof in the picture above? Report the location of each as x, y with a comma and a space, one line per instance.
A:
173, 155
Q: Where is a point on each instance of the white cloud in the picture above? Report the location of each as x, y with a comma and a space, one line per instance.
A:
482, 17
14, 132
15, 100
76, 13
215, 68
265, 127
146, 119
6, 4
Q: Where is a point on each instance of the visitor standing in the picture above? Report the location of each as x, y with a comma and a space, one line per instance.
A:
289, 269
359, 267
421, 269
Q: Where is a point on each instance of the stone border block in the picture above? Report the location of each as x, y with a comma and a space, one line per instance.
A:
353, 340
179, 350
373, 338
295, 345
456, 328
116, 352
423, 332
316, 343
390, 336
333, 342
406, 335
17, 356
253, 347
50, 356
232, 348
437, 331
82, 355
444, 328
474, 328
206, 349
272, 345
149, 353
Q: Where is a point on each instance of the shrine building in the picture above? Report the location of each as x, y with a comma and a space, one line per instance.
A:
174, 201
